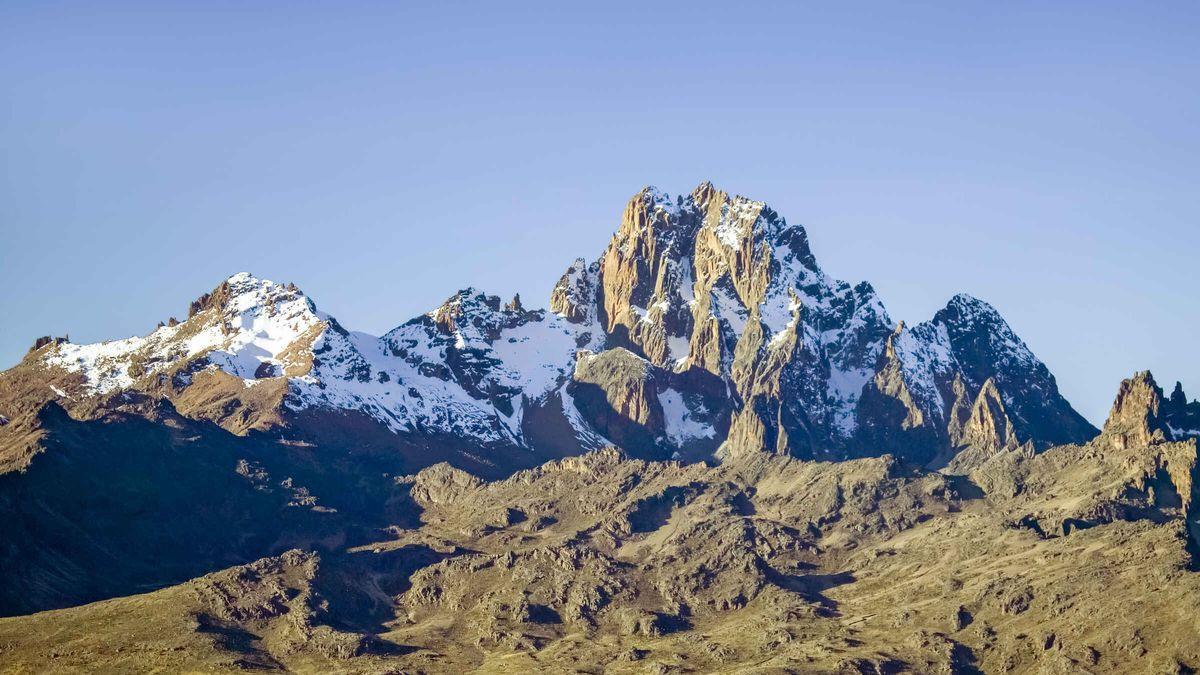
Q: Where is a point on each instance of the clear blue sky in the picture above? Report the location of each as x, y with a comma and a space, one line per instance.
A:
1045, 159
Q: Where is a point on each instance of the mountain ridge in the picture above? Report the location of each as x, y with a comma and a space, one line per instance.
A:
708, 288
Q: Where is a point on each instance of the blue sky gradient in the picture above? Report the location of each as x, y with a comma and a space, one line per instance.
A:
384, 155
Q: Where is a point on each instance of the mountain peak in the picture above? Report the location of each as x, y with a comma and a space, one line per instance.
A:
1177, 395
468, 303
971, 320
242, 324
703, 193
574, 296
242, 291
971, 308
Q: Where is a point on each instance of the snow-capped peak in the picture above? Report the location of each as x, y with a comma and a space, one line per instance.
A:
968, 319
247, 327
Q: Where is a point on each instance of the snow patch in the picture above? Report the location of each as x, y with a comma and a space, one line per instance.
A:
738, 217
681, 423
844, 389
536, 356
730, 309
925, 355
678, 348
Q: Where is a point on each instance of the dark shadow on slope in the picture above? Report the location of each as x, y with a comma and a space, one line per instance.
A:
125, 504
671, 623
233, 638
883, 430
742, 505
360, 585
1032, 524
811, 587
547, 429
543, 614
964, 488
651, 513
963, 660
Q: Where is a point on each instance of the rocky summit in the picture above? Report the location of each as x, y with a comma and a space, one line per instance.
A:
705, 454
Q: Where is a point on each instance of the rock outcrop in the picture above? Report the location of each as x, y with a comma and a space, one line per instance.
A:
1141, 415
1182, 417
988, 425
1134, 419
574, 296
616, 392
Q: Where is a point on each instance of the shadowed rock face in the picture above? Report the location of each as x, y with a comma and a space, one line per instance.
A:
986, 347
616, 393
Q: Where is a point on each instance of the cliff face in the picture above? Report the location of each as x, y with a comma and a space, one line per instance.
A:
722, 284
616, 393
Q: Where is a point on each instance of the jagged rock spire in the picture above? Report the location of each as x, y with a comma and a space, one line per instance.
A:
1134, 419
574, 296
988, 425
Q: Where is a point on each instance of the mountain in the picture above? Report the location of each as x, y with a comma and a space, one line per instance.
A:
706, 453
719, 287
706, 329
